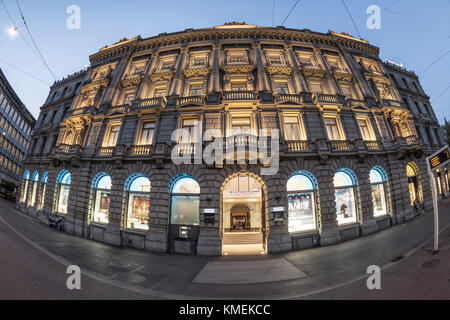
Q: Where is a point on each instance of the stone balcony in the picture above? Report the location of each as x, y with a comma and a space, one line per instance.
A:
329, 98
132, 80
239, 95
148, 103
118, 109
89, 110
341, 74
311, 71
196, 100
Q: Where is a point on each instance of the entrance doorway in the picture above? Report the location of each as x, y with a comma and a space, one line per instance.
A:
243, 218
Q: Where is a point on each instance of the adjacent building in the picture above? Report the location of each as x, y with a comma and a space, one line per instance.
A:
16, 123
203, 140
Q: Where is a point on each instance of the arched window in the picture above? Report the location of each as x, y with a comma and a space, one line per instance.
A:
138, 189
185, 201
26, 177
42, 190
101, 194
378, 180
344, 193
301, 193
35, 179
413, 185
63, 188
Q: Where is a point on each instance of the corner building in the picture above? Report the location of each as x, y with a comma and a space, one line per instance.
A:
351, 159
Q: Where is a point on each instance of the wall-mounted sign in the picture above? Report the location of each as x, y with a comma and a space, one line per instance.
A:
209, 210
277, 209
208, 215
439, 158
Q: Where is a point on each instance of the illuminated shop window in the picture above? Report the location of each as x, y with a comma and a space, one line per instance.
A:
378, 185
26, 177
42, 191
138, 202
301, 193
63, 187
413, 186
344, 193
185, 201
35, 179
102, 194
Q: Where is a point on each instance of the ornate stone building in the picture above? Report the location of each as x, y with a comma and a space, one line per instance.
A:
349, 160
16, 123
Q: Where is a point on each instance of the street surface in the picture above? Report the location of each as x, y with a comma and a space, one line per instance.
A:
35, 259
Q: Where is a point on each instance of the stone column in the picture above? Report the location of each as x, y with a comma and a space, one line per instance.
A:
263, 82
142, 92
366, 218
328, 226
177, 81
112, 233
400, 198
214, 81
299, 82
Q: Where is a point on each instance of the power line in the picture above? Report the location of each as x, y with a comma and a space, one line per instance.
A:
34, 42
292, 9
351, 17
441, 94
434, 62
25, 72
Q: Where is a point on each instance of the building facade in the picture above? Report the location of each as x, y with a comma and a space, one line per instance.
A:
201, 140
16, 123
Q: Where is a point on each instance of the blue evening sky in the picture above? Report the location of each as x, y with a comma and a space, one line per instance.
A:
414, 33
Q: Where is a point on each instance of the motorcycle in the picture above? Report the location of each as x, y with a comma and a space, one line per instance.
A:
56, 222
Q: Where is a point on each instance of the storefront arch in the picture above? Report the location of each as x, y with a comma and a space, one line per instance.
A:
137, 192
243, 213
301, 190
101, 193
345, 193
412, 173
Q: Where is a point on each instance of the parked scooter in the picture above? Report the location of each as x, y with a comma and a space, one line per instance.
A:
56, 221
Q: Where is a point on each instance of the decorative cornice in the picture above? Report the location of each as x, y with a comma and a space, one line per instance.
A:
132, 80
287, 70
159, 76
238, 68
196, 72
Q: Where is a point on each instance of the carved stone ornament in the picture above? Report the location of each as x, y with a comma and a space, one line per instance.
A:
238, 68
313, 72
160, 76
196, 72
132, 80
286, 70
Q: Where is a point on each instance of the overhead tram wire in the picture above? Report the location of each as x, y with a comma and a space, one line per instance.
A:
34, 42
25, 72
351, 17
292, 9
434, 62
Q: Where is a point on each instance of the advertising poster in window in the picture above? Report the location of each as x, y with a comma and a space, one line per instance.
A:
140, 206
63, 199
301, 211
379, 205
104, 203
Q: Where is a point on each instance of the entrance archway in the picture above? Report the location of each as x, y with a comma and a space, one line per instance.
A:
243, 219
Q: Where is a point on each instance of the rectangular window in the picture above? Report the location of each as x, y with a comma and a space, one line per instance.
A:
292, 129
241, 125
365, 128
275, 59
184, 210
147, 133
316, 87
195, 90
238, 86
332, 129
190, 127
128, 98
113, 135
282, 88
160, 92
345, 205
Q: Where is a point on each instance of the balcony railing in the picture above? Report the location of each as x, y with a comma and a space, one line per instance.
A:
147, 103
121, 108
141, 150
330, 98
372, 145
242, 140
234, 61
189, 100
80, 111
285, 96
240, 95
68, 149
340, 145
406, 141
186, 148
298, 146
105, 151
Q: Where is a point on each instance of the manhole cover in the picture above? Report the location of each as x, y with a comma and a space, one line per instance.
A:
431, 263
130, 277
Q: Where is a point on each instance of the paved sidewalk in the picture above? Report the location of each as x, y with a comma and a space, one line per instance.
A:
336, 271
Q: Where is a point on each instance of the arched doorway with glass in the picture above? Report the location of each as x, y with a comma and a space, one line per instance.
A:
301, 195
26, 178
137, 190
34, 188
101, 192
243, 215
44, 179
345, 184
184, 214
63, 190
413, 182
378, 183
